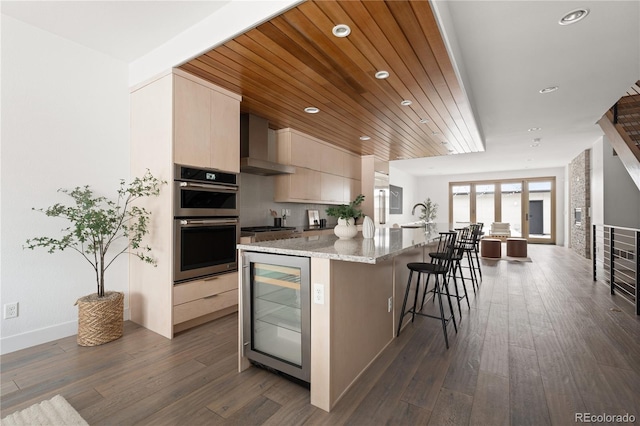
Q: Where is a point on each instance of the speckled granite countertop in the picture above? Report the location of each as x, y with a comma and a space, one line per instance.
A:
387, 243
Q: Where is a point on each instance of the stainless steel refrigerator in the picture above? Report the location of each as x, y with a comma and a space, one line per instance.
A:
381, 199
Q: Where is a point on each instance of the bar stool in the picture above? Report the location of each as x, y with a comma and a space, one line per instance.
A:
439, 266
468, 245
477, 238
462, 235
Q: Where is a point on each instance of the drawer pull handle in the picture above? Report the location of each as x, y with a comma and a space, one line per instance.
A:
210, 297
211, 278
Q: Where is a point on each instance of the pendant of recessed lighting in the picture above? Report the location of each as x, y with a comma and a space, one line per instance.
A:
341, 30
548, 89
573, 16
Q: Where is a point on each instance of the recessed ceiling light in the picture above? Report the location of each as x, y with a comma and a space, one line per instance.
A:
381, 75
424, 120
400, 157
341, 30
365, 138
435, 133
536, 140
406, 102
444, 142
534, 129
574, 16
549, 89
311, 110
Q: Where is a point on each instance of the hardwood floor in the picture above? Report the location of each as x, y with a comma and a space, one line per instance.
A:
540, 343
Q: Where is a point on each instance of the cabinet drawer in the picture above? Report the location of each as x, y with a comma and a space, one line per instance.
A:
204, 306
193, 290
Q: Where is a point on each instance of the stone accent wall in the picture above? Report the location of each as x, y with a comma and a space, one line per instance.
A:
580, 197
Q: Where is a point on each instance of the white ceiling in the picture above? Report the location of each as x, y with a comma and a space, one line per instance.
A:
125, 30
506, 51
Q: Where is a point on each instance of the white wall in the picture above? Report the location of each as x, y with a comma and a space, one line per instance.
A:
65, 122
597, 181
437, 187
410, 196
621, 195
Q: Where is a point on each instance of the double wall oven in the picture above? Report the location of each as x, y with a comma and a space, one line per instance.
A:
206, 228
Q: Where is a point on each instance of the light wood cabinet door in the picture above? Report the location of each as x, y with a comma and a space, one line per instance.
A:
192, 123
332, 160
305, 152
331, 187
352, 189
352, 166
302, 186
225, 133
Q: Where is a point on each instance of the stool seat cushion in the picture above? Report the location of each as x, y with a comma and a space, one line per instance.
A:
426, 267
491, 247
516, 247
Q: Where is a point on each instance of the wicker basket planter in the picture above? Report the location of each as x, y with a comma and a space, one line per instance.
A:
100, 319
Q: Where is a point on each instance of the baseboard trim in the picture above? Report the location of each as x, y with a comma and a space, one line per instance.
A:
43, 335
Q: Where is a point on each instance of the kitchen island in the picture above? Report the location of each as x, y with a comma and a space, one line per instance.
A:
363, 282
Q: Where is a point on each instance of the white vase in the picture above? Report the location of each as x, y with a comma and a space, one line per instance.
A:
345, 229
368, 228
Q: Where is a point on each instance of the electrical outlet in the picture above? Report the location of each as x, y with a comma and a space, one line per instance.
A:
11, 310
318, 294
288, 211
389, 304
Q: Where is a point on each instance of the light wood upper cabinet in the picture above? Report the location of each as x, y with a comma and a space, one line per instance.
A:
225, 132
324, 173
192, 123
331, 188
206, 125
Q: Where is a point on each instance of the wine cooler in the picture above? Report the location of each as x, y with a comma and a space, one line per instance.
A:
277, 312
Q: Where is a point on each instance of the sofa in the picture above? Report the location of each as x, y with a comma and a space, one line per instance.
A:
500, 230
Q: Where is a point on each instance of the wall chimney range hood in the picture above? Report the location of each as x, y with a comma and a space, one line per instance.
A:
257, 152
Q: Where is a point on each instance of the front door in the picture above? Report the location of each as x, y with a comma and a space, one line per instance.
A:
536, 218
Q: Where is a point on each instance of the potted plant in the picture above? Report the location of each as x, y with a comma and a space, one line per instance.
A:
347, 215
429, 212
97, 225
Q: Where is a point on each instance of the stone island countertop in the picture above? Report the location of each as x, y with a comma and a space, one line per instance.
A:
386, 244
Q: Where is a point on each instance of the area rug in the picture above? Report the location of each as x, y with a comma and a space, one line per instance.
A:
508, 259
55, 412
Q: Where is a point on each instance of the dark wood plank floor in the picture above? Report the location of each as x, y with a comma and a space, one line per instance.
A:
540, 343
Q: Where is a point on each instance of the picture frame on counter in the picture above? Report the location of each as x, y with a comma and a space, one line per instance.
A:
314, 218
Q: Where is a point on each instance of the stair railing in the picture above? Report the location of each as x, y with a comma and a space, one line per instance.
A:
616, 262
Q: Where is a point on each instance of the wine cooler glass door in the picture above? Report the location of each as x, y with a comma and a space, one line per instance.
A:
277, 327
280, 315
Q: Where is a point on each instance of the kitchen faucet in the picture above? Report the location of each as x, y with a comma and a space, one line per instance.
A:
413, 211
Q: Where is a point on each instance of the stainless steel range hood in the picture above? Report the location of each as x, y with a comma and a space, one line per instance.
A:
257, 152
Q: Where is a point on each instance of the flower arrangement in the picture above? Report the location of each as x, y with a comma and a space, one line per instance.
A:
347, 211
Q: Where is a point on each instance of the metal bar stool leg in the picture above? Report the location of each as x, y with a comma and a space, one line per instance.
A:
404, 303
442, 319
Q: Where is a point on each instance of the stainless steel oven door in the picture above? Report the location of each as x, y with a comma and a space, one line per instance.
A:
204, 246
205, 200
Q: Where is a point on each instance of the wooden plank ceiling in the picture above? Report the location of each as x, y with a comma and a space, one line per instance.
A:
294, 61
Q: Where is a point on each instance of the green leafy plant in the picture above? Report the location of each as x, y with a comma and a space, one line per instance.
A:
97, 222
347, 211
429, 214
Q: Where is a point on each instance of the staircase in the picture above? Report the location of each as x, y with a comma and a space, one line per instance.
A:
626, 113
621, 125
